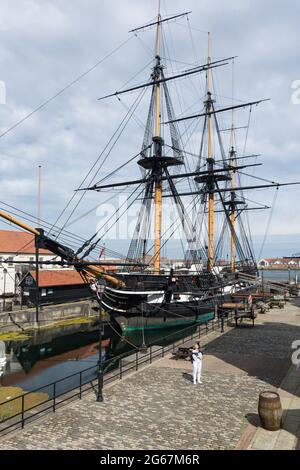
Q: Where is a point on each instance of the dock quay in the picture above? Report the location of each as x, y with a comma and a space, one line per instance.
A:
158, 406
25, 319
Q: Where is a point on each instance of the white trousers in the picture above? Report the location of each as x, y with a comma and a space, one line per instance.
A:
197, 367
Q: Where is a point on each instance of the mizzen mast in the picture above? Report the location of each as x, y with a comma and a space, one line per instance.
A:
233, 203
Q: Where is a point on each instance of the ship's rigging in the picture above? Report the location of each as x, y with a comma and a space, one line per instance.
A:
213, 185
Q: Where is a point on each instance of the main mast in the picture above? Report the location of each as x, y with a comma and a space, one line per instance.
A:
232, 156
233, 203
158, 147
232, 161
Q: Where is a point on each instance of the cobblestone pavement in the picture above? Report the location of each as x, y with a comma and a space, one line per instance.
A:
288, 437
160, 408
268, 340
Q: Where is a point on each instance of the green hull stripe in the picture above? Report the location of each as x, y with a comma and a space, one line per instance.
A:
153, 326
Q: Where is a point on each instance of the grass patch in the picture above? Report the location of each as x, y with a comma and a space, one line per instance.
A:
69, 321
14, 407
13, 336
23, 336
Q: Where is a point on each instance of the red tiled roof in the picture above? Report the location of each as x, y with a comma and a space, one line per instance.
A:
281, 260
271, 260
15, 241
61, 277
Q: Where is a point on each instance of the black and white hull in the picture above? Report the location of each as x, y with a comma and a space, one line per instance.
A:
164, 307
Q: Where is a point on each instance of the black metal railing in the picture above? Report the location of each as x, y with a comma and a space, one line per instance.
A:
16, 412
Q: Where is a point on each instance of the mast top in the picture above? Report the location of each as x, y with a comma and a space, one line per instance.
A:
209, 62
216, 111
169, 18
158, 34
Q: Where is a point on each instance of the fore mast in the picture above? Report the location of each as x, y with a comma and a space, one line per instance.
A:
210, 164
158, 143
158, 163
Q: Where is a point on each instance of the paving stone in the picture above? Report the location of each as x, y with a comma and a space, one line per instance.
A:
291, 423
162, 405
285, 441
265, 440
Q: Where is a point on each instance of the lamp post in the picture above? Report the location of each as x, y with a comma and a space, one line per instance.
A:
100, 365
222, 309
4, 288
37, 291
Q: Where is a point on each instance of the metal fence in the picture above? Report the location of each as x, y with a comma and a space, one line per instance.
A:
18, 411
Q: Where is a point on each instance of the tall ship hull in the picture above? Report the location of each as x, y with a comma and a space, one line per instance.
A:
171, 306
166, 316
200, 197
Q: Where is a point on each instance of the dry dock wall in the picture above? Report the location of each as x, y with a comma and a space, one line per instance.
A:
26, 318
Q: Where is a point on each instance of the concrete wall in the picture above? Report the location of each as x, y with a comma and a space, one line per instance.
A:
9, 321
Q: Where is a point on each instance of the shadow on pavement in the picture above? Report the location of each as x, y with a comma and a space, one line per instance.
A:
290, 421
187, 376
263, 351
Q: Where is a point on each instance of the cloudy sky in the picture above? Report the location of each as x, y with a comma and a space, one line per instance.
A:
46, 45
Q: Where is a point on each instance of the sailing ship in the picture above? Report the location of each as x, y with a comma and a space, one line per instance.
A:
142, 294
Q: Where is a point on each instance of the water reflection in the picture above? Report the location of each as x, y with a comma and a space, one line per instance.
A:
161, 337
50, 355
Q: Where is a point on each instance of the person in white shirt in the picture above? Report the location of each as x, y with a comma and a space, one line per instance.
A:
2, 359
197, 363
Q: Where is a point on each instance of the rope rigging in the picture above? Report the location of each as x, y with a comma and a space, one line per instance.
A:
125, 203
192, 226
66, 87
67, 237
269, 222
112, 142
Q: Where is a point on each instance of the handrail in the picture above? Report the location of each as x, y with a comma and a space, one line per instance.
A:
64, 252
108, 376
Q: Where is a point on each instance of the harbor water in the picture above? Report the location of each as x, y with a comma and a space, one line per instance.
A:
284, 275
39, 358
49, 355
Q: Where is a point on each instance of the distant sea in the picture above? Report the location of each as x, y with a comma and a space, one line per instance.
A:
275, 246
281, 275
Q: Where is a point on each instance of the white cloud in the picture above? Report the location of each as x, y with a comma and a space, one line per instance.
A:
45, 45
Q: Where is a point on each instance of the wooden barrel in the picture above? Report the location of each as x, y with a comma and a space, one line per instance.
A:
270, 410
